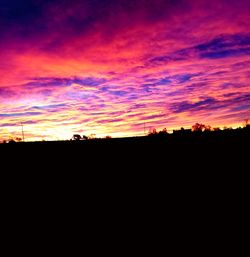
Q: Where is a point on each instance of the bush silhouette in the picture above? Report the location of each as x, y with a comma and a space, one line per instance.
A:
77, 137
198, 127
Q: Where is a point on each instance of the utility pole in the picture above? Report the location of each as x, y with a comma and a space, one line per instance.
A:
22, 131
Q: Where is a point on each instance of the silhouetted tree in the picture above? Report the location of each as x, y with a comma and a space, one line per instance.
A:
208, 128
77, 137
84, 137
152, 132
182, 131
198, 127
108, 137
18, 139
227, 128
163, 132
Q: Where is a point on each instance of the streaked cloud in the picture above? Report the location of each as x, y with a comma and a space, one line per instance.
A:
113, 67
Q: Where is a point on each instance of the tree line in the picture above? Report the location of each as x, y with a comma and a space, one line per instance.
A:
196, 128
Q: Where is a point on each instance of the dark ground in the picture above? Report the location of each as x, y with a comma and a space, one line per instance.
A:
194, 183
165, 150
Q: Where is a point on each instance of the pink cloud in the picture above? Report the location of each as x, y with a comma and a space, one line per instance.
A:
109, 67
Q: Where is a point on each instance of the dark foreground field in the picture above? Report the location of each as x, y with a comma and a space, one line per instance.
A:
163, 166
158, 148
191, 177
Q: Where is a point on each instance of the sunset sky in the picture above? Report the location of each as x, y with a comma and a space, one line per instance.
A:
107, 67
